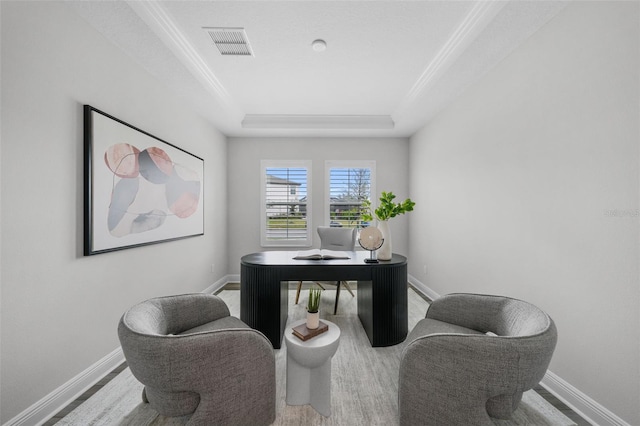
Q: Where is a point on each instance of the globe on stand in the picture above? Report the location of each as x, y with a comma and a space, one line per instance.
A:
371, 239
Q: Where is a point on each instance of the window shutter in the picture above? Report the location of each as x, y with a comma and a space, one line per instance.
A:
285, 206
348, 188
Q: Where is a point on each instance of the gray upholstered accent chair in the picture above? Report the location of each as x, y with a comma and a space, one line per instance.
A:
193, 357
340, 239
472, 357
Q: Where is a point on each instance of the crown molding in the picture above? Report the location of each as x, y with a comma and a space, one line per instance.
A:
158, 20
297, 121
480, 15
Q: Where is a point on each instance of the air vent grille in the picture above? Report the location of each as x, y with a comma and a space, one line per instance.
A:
230, 41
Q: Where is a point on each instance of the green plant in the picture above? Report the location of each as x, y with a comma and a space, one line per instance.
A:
387, 208
314, 300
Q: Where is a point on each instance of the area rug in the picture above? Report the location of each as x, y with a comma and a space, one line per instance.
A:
364, 380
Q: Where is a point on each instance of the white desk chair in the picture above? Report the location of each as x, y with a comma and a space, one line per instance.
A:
334, 238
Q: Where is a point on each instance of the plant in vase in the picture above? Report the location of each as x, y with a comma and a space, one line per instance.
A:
313, 308
386, 210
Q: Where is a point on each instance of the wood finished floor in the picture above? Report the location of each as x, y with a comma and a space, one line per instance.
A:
86, 395
552, 399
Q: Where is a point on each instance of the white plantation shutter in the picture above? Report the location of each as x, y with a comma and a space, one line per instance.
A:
349, 184
285, 203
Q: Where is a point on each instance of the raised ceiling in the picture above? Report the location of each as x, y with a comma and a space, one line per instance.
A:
388, 66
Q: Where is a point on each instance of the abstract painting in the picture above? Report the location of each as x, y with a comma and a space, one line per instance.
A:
139, 189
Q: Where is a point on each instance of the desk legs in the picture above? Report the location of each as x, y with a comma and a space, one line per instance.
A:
383, 306
264, 302
382, 303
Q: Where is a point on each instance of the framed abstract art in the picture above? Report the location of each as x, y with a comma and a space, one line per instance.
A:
138, 189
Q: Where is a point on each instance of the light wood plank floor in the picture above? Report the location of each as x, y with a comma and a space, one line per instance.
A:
548, 396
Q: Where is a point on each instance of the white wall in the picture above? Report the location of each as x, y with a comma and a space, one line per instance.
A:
60, 310
529, 187
392, 174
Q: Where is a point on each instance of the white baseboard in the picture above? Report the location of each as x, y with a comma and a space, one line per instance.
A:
48, 406
578, 401
423, 288
218, 285
583, 405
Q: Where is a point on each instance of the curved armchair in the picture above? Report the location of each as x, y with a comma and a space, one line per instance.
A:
452, 372
193, 357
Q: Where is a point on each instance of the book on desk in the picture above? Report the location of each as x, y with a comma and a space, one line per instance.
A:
321, 254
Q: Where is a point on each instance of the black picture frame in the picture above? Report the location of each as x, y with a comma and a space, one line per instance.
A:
138, 189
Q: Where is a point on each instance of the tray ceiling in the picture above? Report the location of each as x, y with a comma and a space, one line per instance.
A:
388, 67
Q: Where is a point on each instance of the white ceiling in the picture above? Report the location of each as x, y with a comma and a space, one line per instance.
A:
389, 66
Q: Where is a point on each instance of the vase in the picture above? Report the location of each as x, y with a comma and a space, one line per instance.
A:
313, 320
384, 252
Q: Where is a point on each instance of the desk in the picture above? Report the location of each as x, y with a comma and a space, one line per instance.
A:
382, 292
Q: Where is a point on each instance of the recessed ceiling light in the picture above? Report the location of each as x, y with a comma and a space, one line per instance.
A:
319, 45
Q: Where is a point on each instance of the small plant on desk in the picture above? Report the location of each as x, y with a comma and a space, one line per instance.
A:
313, 307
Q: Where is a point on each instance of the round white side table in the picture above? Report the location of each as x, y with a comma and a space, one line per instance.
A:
309, 367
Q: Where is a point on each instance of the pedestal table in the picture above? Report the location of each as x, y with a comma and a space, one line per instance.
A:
309, 367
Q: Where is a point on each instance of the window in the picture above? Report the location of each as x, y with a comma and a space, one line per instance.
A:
349, 184
286, 205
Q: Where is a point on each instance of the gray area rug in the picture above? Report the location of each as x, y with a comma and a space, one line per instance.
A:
364, 380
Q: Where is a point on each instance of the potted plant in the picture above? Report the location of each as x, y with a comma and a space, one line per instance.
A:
313, 308
386, 210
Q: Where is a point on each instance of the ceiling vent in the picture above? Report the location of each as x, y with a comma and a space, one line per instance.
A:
230, 41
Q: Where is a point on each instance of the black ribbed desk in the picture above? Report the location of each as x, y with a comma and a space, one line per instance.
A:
382, 292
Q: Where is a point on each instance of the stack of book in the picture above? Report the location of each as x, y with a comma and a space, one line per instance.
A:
304, 333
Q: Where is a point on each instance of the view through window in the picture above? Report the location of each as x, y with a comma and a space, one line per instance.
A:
349, 185
286, 211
